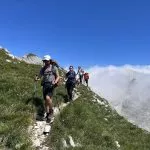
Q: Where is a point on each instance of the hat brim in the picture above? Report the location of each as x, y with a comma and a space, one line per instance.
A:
46, 59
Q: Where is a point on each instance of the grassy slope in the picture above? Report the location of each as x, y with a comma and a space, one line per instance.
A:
84, 121
16, 88
17, 103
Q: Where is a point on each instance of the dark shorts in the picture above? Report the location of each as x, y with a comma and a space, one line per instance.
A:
47, 90
86, 80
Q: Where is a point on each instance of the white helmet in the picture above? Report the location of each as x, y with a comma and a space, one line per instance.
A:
46, 57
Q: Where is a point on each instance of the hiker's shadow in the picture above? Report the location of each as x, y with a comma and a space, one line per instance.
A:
64, 96
38, 104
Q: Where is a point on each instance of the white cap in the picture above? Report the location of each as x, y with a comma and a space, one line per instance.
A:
46, 57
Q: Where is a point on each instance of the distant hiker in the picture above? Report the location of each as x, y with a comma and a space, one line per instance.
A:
77, 81
70, 83
80, 73
50, 78
86, 78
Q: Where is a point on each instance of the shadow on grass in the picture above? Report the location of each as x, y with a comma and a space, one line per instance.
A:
63, 96
38, 103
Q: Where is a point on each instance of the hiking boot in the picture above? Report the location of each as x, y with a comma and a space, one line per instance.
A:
49, 116
70, 98
51, 111
49, 119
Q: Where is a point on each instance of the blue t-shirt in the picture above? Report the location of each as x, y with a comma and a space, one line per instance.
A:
71, 76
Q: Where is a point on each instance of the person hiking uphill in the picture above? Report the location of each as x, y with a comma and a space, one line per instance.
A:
86, 78
50, 77
70, 83
80, 73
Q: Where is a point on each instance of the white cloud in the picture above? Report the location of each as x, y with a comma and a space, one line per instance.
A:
127, 88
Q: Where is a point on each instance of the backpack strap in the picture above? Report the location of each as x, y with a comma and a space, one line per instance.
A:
52, 69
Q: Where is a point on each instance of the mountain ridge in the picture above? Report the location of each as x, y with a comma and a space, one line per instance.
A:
29, 58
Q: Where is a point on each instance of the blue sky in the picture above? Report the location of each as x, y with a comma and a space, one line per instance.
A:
80, 32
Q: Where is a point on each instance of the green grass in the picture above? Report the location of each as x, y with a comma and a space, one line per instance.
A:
16, 87
18, 102
84, 121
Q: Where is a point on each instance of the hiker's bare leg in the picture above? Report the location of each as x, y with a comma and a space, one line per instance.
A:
48, 104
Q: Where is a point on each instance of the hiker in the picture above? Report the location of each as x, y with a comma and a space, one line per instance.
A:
86, 78
70, 83
50, 77
80, 73
77, 81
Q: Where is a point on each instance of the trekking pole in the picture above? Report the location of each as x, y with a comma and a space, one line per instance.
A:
35, 85
35, 88
34, 95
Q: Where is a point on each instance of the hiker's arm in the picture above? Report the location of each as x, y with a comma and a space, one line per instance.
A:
57, 76
77, 73
38, 77
67, 74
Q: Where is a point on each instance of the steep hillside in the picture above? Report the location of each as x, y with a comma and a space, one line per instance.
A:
127, 90
16, 88
18, 101
90, 124
87, 123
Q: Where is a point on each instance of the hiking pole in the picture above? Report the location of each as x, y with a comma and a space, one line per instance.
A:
34, 94
35, 88
35, 85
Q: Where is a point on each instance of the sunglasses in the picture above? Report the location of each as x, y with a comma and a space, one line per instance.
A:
45, 60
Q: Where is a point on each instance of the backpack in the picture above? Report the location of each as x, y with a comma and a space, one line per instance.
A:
49, 75
86, 76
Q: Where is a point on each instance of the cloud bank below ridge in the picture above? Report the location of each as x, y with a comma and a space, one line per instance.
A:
127, 88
